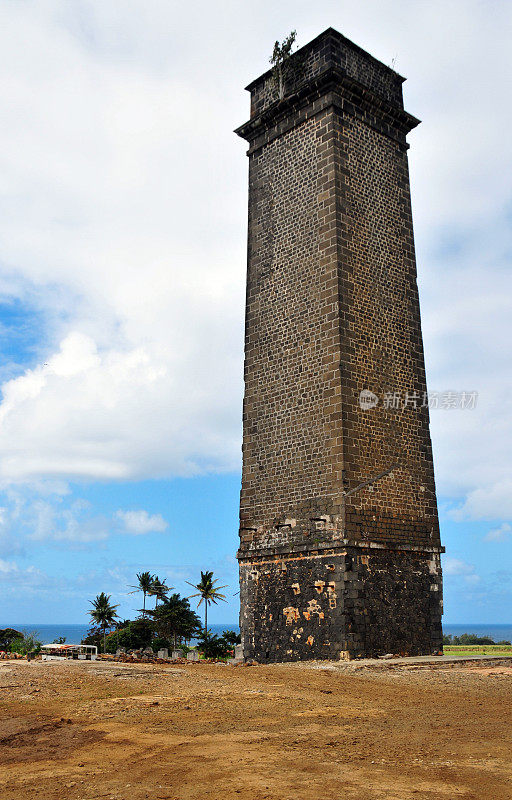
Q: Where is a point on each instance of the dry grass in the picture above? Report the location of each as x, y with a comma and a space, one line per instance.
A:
477, 649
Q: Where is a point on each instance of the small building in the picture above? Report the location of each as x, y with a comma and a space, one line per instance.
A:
65, 652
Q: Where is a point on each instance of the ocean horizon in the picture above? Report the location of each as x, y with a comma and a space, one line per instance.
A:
74, 633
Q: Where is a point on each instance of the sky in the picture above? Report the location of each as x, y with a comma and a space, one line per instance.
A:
123, 195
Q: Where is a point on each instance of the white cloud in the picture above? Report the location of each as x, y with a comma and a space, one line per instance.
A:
140, 522
109, 416
76, 523
15, 578
31, 517
113, 223
499, 534
458, 567
472, 580
492, 501
9, 543
124, 212
455, 566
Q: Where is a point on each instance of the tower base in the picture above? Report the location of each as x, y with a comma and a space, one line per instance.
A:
347, 600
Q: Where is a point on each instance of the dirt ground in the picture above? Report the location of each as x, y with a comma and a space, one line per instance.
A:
295, 732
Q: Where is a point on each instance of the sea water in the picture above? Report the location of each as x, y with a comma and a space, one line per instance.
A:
496, 632
75, 633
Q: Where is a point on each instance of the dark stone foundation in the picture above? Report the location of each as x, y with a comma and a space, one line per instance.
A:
341, 602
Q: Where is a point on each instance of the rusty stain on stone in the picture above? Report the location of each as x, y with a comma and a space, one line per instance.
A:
291, 614
314, 607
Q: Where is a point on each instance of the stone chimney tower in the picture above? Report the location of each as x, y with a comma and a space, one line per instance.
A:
339, 536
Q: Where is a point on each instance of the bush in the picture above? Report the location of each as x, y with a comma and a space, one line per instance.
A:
469, 639
472, 638
112, 642
232, 637
135, 635
161, 643
174, 620
94, 636
213, 646
26, 643
8, 635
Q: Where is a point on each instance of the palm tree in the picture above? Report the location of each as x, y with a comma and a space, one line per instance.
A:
103, 613
144, 585
174, 619
208, 591
159, 589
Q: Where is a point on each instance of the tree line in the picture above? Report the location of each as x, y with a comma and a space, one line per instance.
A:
170, 624
470, 638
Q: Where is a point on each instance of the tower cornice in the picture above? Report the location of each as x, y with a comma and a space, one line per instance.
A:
346, 93
335, 37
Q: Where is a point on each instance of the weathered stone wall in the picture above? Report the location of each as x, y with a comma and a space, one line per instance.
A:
316, 58
382, 346
392, 602
346, 601
332, 309
292, 410
293, 605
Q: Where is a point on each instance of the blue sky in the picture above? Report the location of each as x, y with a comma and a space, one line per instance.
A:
122, 267
191, 523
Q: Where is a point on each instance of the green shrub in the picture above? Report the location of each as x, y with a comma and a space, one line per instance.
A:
232, 637
26, 643
8, 635
469, 639
135, 635
161, 643
213, 646
95, 637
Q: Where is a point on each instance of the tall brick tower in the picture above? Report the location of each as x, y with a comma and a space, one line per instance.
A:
339, 536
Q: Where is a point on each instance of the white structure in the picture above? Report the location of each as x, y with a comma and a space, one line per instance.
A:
63, 652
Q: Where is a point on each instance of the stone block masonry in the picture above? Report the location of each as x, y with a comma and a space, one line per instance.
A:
339, 536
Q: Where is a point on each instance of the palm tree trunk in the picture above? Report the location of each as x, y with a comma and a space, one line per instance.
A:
104, 639
144, 607
206, 617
